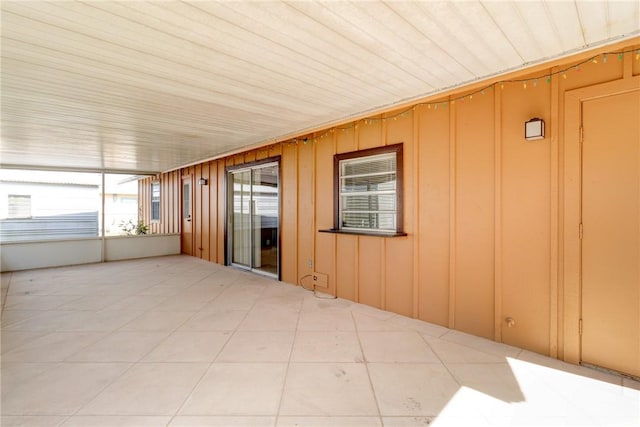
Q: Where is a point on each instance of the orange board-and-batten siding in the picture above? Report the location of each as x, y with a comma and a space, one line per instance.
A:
482, 206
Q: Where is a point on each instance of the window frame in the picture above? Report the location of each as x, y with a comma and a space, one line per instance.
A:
159, 201
398, 150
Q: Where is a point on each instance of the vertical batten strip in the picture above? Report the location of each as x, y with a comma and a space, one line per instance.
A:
452, 217
383, 255
497, 222
416, 213
554, 201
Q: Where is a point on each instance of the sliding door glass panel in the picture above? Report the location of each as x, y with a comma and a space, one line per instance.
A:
265, 219
241, 218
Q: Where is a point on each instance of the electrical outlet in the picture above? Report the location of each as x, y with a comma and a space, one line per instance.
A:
320, 280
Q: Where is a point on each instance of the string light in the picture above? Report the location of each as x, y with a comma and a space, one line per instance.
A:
637, 54
443, 104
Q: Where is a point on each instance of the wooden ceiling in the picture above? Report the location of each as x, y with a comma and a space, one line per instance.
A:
151, 86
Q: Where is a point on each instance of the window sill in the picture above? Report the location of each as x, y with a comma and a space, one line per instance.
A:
363, 233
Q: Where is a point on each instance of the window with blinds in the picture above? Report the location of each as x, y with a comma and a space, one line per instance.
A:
369, 189
155, 201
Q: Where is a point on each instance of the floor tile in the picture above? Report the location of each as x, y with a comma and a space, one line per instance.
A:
222, 421
324, 346
409, 389
410, 421
16, 374
13, 317
60, 390
148, 389
481, 344
12, 340
322, 389
37, 302
117, 421
136, 303
189, 347
258, 346
270, 319
508, 390
31, 421
237, 297
424, 328
119, 347
94, 321
396, 347
53, 347
204, 291
450, 352
183, 303
91, 302
326, 320
328, 422
215, 320
158, 321
33, 321
238, 389
366, 322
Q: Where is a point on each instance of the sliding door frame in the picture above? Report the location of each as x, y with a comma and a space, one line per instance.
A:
228, 234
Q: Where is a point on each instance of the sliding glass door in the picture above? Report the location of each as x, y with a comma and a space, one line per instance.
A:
253, 218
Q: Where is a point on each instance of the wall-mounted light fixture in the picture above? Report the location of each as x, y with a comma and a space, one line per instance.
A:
202, 181
534, 129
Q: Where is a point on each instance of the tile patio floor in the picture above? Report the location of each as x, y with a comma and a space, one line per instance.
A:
176, 341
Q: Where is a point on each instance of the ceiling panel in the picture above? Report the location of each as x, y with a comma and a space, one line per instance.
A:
150, 86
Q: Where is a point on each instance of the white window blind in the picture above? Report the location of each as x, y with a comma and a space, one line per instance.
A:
368, 193
19, 206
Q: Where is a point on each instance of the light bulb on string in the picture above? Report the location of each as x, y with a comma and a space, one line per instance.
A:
595, 60
535, 83
637, 54
620, 55
549, 78
564, 75
524, 85
604, 58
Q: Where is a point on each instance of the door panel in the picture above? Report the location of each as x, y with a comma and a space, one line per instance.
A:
611, 240
187, 217
241, 218
265, 219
